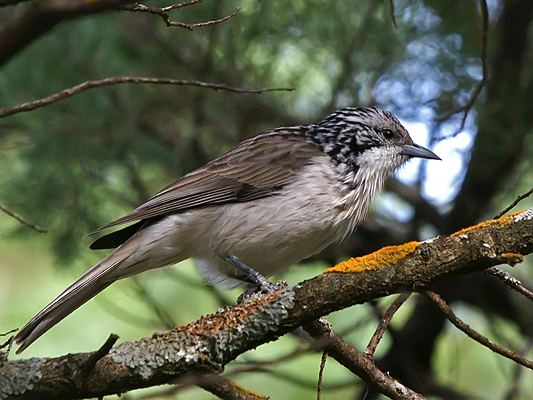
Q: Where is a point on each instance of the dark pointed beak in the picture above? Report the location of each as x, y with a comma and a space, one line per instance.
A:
415, 150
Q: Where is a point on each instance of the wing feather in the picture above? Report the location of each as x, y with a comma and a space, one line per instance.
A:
256, 168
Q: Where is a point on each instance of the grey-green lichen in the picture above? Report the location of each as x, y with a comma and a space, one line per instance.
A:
209, 342
17, 377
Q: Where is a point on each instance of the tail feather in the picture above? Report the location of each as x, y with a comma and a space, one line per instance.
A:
86, 287
139, 253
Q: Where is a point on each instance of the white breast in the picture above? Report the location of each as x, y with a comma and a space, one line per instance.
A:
273, 233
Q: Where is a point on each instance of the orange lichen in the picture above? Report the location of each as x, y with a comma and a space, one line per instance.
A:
513, 258
383, 257
504, 220
249, 394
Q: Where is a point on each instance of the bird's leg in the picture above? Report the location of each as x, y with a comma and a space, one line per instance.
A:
251, 276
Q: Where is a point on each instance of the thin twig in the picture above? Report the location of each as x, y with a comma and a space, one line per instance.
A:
137, 7
514, 203
144, 295
291, 378
321, 374
21, 219
224, 388
360, 364
9, 342
478, 337
391, 2
514, 388
384, 322
510, 281
9, 332
180, 5
477, 90
32, 105
216, 21
100, 353
162, 12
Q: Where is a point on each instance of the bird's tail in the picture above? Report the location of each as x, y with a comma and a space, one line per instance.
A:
86, 287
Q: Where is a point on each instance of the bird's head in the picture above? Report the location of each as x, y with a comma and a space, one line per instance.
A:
366, 137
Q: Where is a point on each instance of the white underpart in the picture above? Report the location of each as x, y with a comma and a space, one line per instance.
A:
316, 210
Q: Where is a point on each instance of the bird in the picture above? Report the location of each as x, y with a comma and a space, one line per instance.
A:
272, 201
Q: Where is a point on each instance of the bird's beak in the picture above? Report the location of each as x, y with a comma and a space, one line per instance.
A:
415, 150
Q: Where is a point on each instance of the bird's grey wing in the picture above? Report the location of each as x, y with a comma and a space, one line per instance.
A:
257, 167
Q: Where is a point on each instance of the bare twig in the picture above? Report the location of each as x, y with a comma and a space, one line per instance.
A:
21, 219
461, 325
32, 105
146, 297
384, 322
517, 375
9, 342
360, 364
226, 389
321, 374
514, 203
98, 354
393, 18
162, 12
292, 378
510, 281
477, 90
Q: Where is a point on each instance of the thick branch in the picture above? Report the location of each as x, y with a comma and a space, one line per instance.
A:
207, 345
40, 17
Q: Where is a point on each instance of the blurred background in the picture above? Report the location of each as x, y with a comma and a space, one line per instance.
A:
75, 165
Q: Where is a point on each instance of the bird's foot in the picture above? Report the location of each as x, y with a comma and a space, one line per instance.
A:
267, 287
259, 282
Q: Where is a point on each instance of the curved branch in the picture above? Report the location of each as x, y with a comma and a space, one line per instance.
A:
465, 109
462, 326
116, 80
21, 219
207, 345
361, 364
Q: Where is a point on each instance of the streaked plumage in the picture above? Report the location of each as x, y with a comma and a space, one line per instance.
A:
273, 200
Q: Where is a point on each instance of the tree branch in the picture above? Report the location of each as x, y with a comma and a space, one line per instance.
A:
207, 345
514, 203
461, 325
40, 17
465, 109
361, 364
21, 219
385, 321
162, 12
510, 281
32, 105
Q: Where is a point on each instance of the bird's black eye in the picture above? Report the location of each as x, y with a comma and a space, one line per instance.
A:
388, 134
